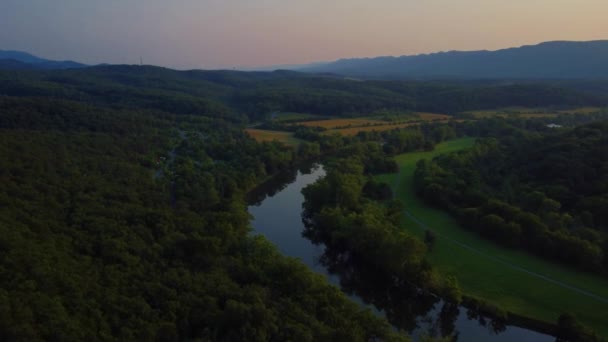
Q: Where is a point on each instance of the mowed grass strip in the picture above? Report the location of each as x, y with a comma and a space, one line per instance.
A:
493, 273
262, 135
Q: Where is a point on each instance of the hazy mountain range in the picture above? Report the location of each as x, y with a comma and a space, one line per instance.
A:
550, 60
18, 60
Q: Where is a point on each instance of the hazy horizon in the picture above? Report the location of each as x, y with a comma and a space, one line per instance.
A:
213, 34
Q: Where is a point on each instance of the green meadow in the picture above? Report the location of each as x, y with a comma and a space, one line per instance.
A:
513, 280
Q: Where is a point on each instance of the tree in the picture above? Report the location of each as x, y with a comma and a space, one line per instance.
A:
429, 239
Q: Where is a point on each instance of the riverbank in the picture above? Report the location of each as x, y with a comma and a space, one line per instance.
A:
516, 282
277, 213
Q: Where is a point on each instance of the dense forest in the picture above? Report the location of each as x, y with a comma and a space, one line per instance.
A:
239, 96
130, 223
546, 193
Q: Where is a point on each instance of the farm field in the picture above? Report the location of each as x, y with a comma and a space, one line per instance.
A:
398, 119
379, 128
343, 126
262, 135
511, 279
409, 117
340, 123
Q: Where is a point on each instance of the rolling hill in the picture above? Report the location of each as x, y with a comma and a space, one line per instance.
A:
18, 60
549, 60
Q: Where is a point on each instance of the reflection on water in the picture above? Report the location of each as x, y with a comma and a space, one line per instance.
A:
276, 208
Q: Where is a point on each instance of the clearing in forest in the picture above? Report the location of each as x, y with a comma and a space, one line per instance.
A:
262, 135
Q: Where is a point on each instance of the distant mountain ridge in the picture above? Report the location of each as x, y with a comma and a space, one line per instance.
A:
549, 60
19, 60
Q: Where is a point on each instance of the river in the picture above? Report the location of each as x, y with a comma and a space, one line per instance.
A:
276, 208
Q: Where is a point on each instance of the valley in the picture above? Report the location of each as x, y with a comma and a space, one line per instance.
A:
148, 168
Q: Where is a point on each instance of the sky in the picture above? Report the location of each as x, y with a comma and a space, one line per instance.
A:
210, 34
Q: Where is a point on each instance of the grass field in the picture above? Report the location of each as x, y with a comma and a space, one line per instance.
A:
266, 135
516, 281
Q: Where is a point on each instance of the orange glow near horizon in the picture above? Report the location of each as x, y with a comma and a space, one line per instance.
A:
218, 34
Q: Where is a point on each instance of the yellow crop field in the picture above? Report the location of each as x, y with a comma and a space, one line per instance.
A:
262, 135
349, 123
380, 128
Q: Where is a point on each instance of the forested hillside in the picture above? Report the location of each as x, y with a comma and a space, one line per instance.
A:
121, 222
240, 96
544, 193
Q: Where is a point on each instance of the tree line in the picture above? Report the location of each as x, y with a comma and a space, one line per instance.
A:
253, 96
545, 193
